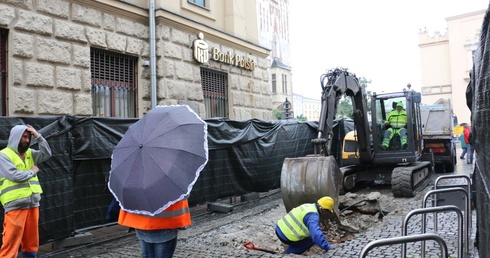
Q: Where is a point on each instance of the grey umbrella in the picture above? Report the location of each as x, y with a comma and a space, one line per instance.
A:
158, 159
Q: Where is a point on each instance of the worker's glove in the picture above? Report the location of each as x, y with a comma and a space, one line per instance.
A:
387, 125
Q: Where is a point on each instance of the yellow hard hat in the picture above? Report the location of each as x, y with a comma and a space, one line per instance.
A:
326, 203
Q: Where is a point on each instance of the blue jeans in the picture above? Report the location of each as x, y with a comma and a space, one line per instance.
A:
471, 151
156, 243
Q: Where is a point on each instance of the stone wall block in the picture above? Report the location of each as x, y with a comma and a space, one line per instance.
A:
34, 23
161, 89
171, 50
96, 37
55, 103
134, 46
144, 88
116, 42
81, 56
183, 71
86, 80
194, 91
234, 82
169, 68
86, 15
69, 31
8, 15
39, 74
162, 32
26, 4
109, 22
60, 8
24, 100
83, 104
53, 51
68, 78
132, 28
237, 99
180, 37
18, 72
22, 45
174, 89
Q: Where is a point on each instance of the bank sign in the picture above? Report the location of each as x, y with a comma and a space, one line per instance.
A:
202, 55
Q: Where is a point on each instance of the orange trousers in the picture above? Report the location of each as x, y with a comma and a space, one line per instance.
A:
20, 228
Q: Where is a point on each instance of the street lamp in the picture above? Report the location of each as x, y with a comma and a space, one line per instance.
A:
286, 105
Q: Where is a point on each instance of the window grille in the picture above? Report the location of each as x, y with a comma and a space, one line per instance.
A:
3, 72
215, 90
114, 90
274, 87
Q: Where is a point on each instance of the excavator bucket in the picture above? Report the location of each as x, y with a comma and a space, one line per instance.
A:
306, 179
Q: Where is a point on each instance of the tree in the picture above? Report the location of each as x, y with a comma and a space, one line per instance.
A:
301, 118
277, 114
344, 108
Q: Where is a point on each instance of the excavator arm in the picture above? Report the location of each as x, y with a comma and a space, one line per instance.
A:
336, 83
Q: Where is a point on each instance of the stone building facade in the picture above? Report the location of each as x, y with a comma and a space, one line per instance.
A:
446, 62
59, 58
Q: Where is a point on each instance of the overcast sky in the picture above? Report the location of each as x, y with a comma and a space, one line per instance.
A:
376, 39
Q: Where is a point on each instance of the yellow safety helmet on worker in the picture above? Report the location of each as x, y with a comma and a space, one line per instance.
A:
326, 203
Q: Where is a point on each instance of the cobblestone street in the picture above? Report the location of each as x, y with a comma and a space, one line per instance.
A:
222, 234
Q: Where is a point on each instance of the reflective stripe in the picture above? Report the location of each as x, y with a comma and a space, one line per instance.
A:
14, 187
299, 224
292, 226
169, 214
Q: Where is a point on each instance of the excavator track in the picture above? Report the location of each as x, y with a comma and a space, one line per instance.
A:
406, 181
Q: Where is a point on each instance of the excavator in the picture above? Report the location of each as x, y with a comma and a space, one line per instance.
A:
404, 166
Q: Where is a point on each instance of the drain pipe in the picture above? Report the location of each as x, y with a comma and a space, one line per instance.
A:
153, 61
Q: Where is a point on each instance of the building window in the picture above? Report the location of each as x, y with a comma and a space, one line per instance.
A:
3, 72
201, 3
274, 87
285, 83
215, 90
114, 90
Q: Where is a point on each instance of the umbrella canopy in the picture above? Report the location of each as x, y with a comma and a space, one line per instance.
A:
158, 160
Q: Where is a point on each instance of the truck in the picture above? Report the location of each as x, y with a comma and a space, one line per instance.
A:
404, 166
438, 135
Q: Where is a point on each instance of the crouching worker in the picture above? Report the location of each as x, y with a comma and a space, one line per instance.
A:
300, 228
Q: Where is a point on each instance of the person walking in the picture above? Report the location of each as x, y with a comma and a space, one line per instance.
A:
396, 123
469, 147
157, 235
300, 228
464, 146
21, 191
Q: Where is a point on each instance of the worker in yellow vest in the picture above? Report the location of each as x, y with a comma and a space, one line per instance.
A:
20, 191
158, 234
396, 124
300, 228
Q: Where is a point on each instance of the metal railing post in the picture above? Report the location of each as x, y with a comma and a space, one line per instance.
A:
406, 239
434, 210
468, 189
466, 208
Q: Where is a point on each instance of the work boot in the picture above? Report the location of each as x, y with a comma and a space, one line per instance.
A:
461, 157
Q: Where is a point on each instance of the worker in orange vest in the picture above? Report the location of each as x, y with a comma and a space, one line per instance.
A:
158, 234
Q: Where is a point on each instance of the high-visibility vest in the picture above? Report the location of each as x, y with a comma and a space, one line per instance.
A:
397, 119
175, 216
292, 225
11, 191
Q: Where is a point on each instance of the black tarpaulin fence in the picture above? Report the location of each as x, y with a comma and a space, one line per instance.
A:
244, 156
478, 100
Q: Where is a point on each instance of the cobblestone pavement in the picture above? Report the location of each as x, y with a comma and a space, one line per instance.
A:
390, 227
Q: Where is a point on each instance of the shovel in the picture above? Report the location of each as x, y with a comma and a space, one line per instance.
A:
251, 246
